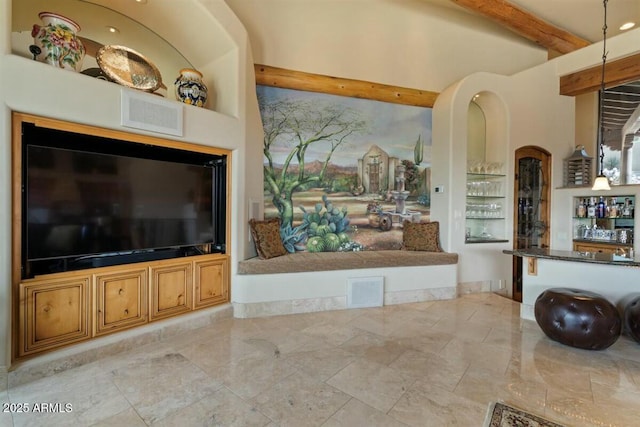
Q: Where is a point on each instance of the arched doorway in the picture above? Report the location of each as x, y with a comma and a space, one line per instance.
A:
531, 206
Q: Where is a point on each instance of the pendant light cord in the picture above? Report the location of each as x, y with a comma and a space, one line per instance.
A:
602, 88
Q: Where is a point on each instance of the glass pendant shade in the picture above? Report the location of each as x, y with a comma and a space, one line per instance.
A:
601, 183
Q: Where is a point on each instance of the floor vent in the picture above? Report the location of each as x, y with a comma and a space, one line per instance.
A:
365, 292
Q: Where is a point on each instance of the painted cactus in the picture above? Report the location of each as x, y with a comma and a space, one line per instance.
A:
325, 219
326, 226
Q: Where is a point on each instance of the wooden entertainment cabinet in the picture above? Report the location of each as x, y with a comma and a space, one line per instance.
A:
58, 309
65, 308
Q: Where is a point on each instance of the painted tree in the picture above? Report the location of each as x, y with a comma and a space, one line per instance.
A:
305, 129
418, 150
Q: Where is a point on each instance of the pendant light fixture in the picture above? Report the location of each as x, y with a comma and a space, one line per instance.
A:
602, 182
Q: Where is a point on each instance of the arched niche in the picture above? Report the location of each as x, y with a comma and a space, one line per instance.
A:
488, 105
486, 202
476, 132
156, 30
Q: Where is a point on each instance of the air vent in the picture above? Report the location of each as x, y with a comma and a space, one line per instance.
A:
365, 292
142, 111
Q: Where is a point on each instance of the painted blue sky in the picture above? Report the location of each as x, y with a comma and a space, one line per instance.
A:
393, 127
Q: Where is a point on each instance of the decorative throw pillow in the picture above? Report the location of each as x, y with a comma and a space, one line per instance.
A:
421, 236
266, 236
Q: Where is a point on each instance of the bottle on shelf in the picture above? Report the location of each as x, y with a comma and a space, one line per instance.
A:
591, 208
601, 208
627, 209
613, 208
581, 210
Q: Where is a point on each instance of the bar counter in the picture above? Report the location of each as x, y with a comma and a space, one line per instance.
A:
590, 257
613, 276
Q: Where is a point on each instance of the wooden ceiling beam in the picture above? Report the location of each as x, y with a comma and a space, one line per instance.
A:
299, 80
525, 24
616, 73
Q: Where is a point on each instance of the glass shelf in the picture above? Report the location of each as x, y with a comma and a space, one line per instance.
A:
472, 175
485, 197
486, 218
615, 218
485, 207
483, 240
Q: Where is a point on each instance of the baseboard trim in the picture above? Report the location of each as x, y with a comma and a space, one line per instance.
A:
311, 305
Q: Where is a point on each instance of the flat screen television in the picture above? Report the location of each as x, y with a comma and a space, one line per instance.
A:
91, 201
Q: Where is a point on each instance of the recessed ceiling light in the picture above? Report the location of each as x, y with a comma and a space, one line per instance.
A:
112, 30
141, 1
627, 25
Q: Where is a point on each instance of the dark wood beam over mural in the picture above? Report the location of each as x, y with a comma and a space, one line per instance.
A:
289, 79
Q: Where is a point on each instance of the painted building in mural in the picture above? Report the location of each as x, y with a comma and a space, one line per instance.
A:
376, 171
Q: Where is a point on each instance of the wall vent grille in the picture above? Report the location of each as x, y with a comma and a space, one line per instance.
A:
141, 111
365, 292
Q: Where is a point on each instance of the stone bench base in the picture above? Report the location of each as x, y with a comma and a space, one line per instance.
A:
308, 282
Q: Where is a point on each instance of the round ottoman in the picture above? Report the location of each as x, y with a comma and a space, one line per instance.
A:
632, 318
578, 318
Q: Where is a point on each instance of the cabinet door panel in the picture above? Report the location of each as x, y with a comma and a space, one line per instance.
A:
53, 313
121, 300
171, 290
211, 282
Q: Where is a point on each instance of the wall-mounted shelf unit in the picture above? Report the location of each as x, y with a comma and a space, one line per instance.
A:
604, 224
485, 203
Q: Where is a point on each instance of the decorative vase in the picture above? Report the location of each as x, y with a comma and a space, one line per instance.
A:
56, 43
190, 89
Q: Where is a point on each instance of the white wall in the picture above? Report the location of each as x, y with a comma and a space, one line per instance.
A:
37, 88
409, 43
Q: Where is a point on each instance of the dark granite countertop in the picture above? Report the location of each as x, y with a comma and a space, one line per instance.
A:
590, 257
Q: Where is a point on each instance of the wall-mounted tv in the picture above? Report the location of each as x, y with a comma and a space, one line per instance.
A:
90, 201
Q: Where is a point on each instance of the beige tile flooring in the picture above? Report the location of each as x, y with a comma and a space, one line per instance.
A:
436, 363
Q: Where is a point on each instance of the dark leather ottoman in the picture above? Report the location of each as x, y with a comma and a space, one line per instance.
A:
632, 318
578, 318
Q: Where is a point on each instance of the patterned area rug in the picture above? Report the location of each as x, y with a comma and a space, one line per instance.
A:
501, 415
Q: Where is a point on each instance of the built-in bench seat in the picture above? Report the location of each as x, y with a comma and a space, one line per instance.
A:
306, 282
324, 261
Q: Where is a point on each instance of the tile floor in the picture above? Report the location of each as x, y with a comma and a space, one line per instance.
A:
436, 363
